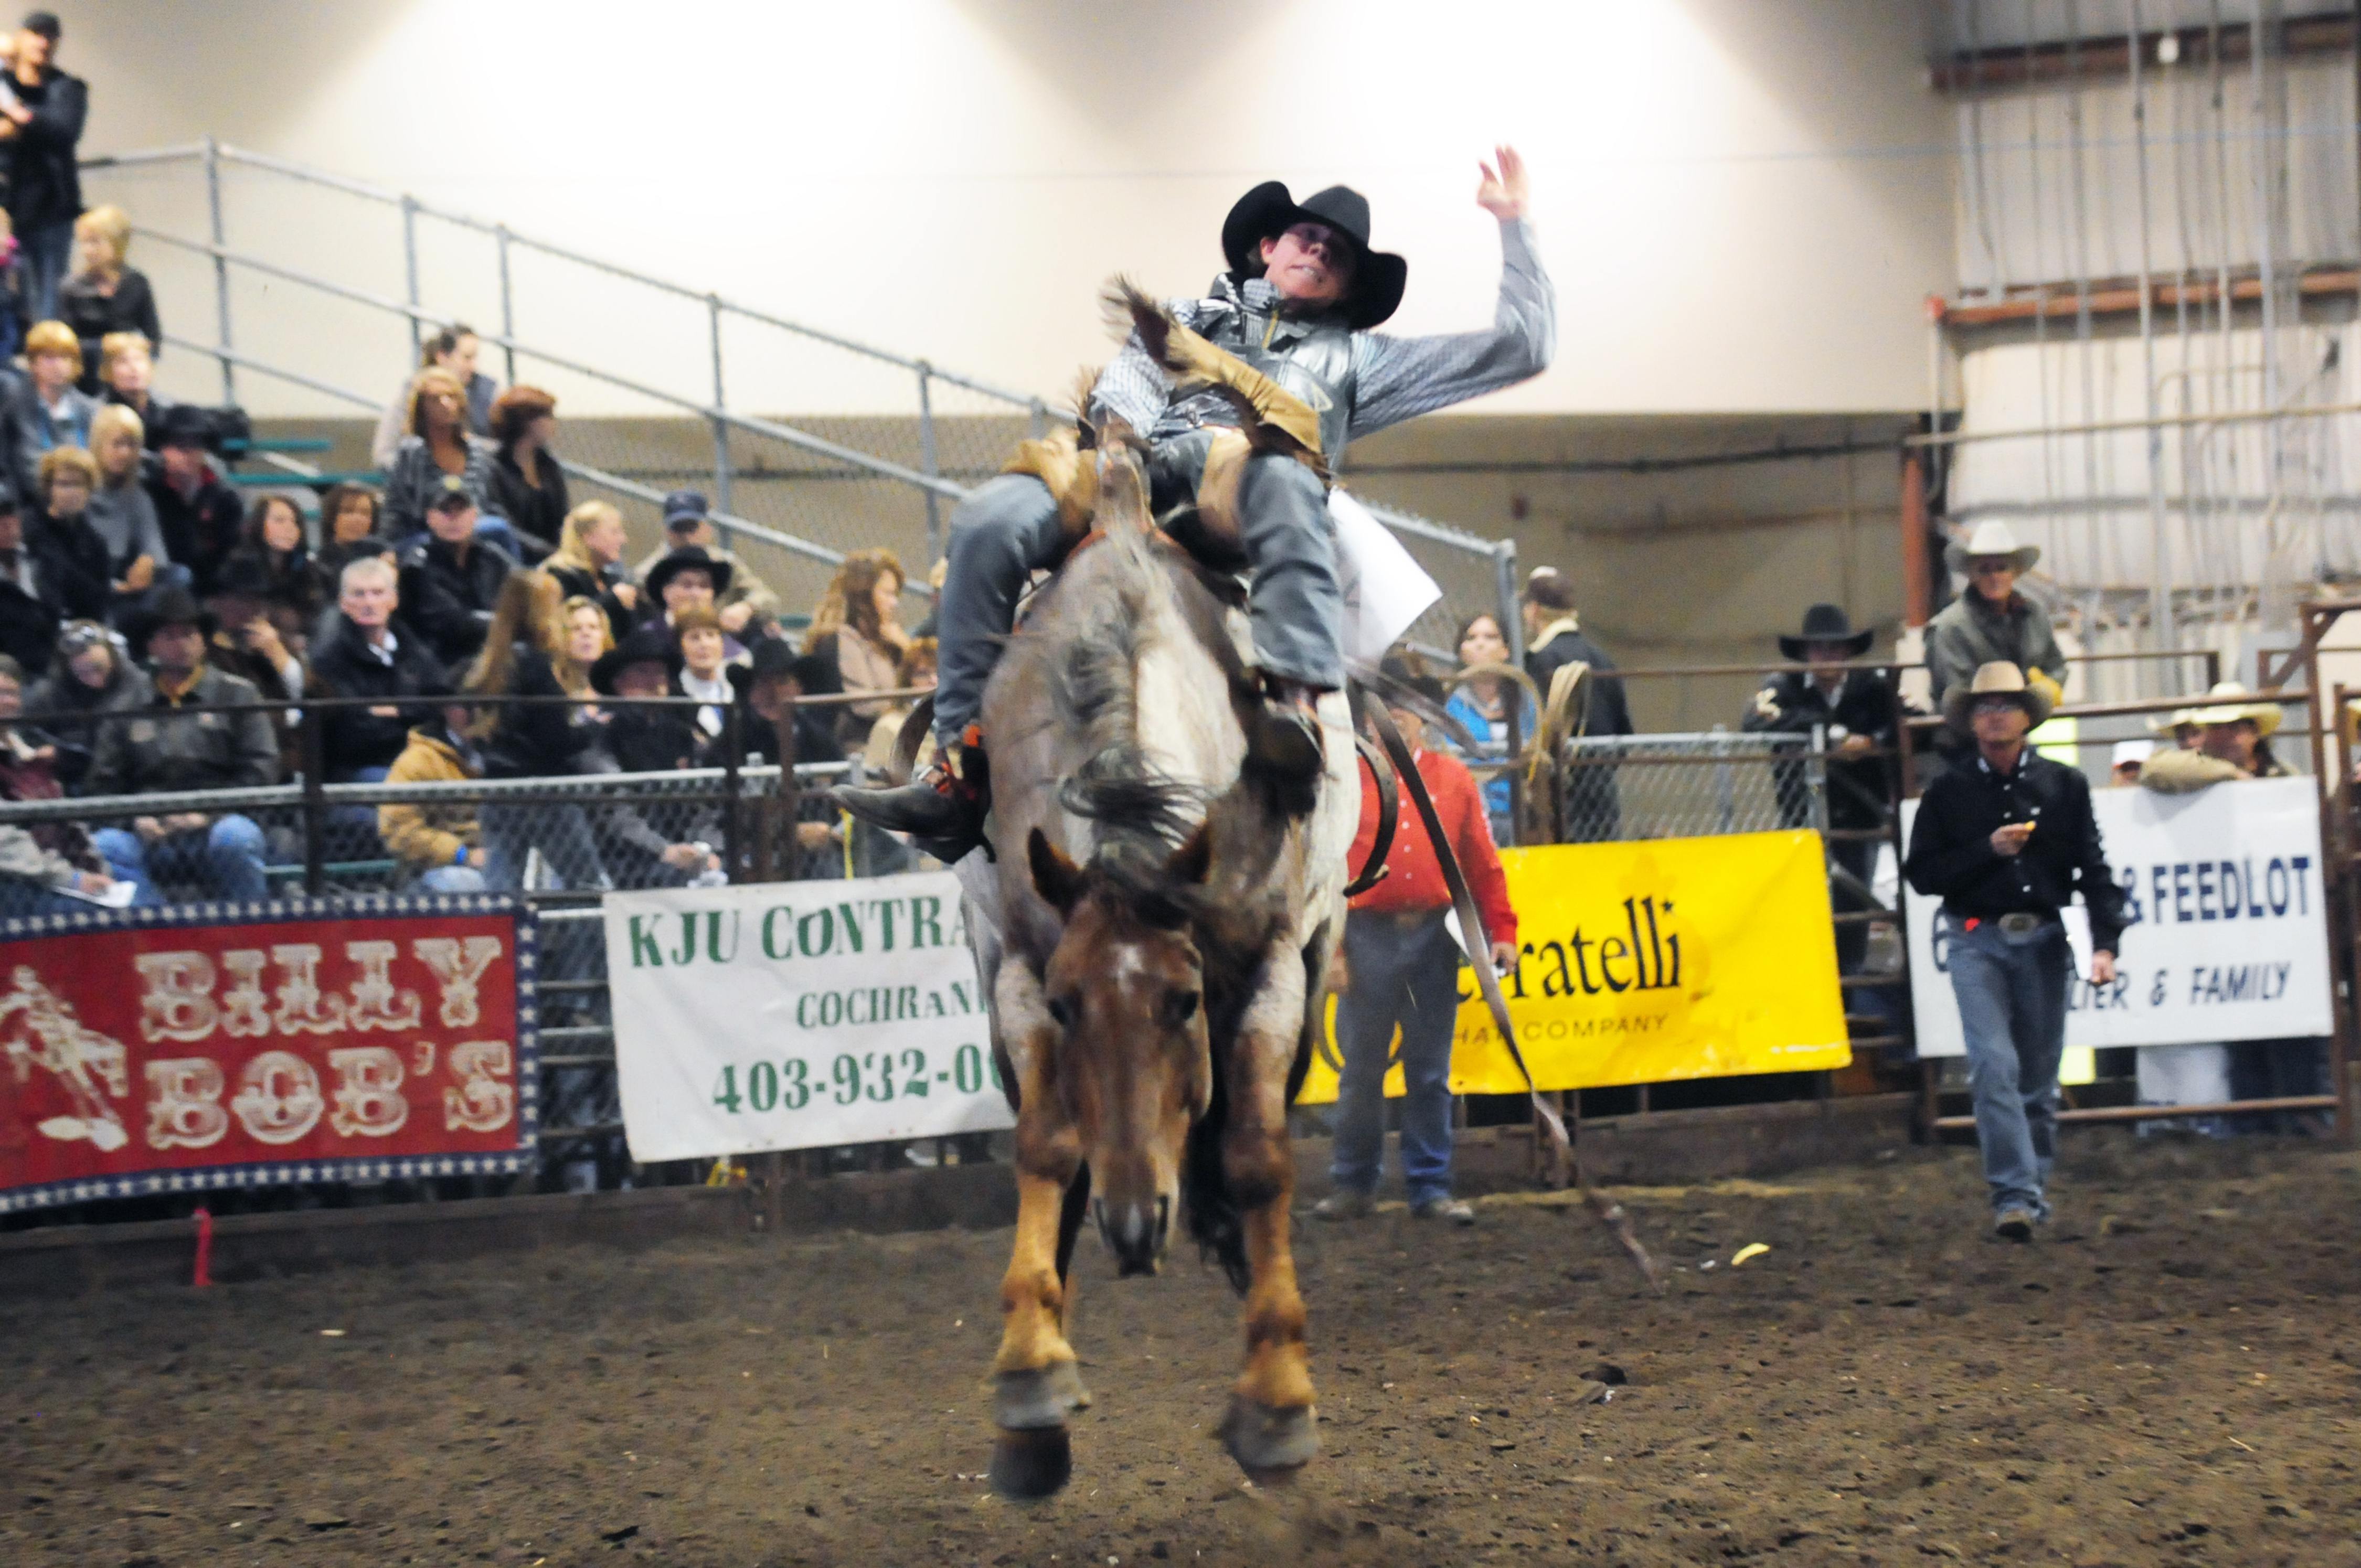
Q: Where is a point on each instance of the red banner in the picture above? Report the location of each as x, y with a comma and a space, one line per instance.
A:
160, 1051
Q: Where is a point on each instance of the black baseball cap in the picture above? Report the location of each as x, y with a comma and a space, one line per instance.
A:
44, 23
449, 493
685, 509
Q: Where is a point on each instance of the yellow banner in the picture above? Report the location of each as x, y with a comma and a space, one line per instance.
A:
1647, 961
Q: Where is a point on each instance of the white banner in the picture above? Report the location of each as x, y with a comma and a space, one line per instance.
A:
1384, 588
787, 1015
2229, 935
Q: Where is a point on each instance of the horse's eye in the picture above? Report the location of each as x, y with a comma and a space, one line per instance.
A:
1179, 1006
1062, 1009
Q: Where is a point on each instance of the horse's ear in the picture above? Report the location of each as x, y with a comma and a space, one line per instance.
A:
1192, 862
1057, 878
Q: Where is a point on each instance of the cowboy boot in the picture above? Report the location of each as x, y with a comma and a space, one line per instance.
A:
942, 808
1285, 742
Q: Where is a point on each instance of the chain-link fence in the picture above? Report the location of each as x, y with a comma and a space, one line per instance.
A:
1685, 787
558, 842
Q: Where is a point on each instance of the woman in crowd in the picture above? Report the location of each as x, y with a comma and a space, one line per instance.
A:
68, 478
350, 515
527, 486
126, 374
1481, 703
856, 626
531, 740
588, 563
702, 674
121, 510
453, 351
274, 535
588, 636
439, 443
47, 411
105, 296
90, 675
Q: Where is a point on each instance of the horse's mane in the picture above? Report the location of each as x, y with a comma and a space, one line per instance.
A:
1142, 812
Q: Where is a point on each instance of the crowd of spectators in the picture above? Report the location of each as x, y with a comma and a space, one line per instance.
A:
162, 633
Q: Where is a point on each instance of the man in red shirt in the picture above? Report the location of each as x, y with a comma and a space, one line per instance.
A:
1402, 968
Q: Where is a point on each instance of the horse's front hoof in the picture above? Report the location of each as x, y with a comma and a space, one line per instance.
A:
1271, 1445
1033, 1463
1037, 1396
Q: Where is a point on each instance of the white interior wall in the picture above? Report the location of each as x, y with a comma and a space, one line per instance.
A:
2019, 218
2085, 498
1742, 201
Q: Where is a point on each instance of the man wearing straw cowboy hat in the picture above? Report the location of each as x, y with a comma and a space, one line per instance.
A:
1992, 620
2005, 839
2233, 741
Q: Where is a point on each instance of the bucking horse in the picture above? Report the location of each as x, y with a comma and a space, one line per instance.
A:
1153, 925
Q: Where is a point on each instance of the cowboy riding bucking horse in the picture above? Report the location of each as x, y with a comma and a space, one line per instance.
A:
1299, 302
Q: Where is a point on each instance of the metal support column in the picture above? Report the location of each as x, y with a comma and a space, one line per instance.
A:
221, 266
1504, 586
409, 270
721, 501
927, 464
508, 303
2162, 634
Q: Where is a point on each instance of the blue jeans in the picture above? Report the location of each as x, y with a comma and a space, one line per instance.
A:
352, 829
1405, 973
561, 832
49, 253
225, 858
453, 879
2012, 993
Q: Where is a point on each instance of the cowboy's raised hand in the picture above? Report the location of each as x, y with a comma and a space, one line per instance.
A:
1503, 190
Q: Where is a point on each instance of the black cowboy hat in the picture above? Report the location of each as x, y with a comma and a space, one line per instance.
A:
651, 642
168, 605
1267, 211
1826, 623
775, 656
185, 424
687, 556
242, 574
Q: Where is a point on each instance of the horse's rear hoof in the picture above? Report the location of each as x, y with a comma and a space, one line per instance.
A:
1031, 1464
1271, 1445
1037, 1396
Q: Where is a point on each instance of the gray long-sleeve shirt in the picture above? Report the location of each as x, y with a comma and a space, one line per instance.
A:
125, 517
1394, 378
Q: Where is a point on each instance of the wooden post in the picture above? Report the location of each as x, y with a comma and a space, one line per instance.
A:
1917, 582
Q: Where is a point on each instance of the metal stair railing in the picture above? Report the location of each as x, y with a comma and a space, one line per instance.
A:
961, 425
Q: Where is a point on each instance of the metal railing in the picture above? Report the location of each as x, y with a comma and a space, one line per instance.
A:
786, 486
558, 842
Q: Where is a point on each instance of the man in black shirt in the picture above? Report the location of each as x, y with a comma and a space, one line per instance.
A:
2005, 840
450, 577
199, 516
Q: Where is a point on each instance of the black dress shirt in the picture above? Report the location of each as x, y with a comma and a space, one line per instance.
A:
1951, 855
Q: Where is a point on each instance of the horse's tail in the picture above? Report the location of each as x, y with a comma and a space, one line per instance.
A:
1216, 1223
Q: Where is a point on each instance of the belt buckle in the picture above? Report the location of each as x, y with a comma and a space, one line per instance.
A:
2019, 925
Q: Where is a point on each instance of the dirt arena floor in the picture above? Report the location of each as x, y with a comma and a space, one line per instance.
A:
2168, 1375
